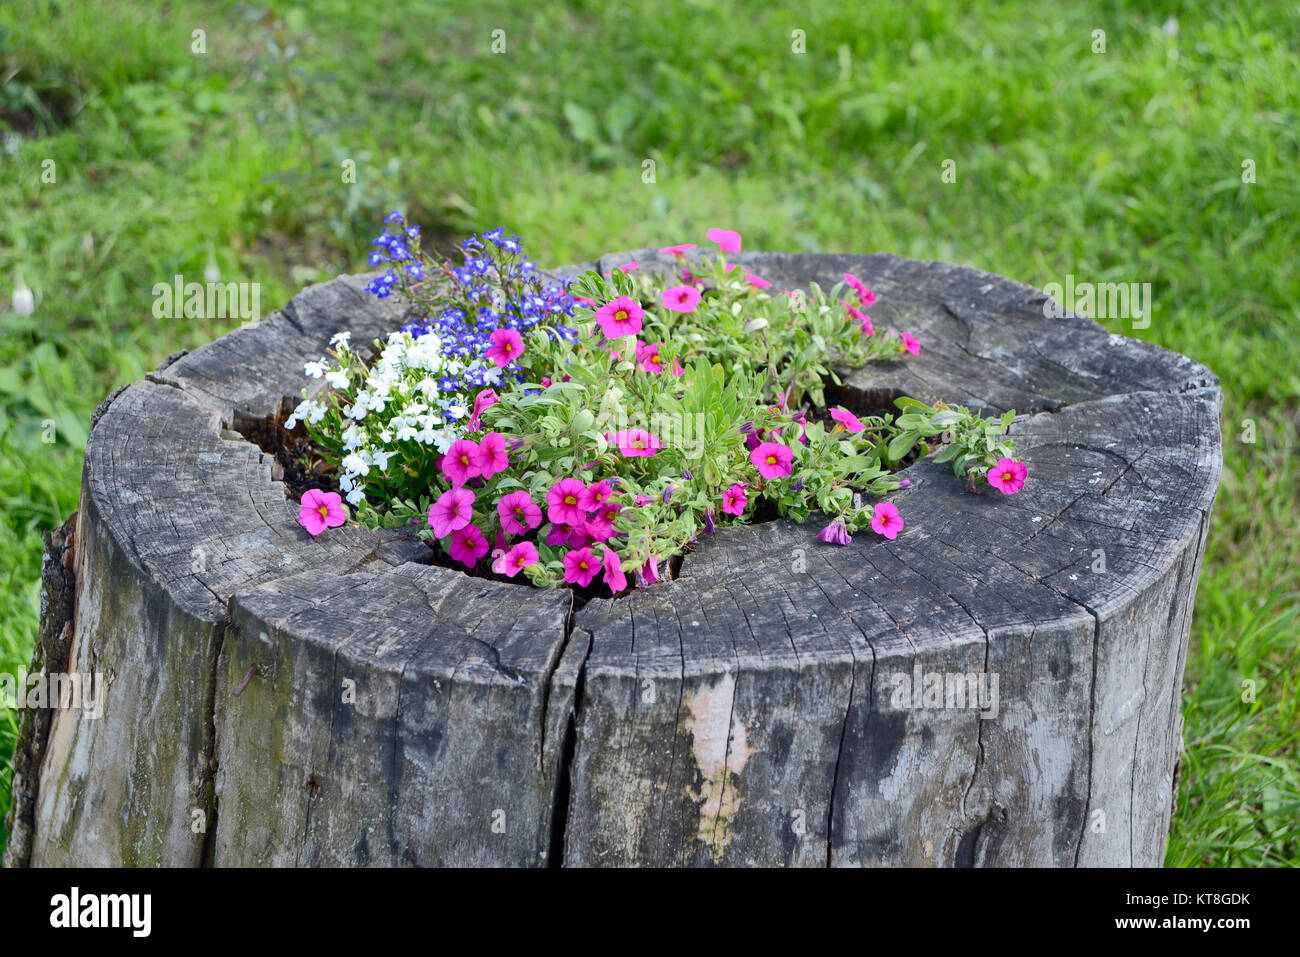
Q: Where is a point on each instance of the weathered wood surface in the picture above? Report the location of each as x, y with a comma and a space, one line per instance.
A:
270, 699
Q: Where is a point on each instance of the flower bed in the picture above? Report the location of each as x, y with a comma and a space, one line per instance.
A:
596, 428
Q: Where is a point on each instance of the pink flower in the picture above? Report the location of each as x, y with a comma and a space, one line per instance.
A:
636, 442
594, 496
862, 317
910, 344
772, 460
648, 358
734, 500
679, 250
643, 500
886, 520
649, 573
561, 532
836, 533
585, 301
461, 463
518, 558
728, 240
321, 510
757, 282
563, 501
580, 567
490, 457
600, 526
507, 346
468, 545
619, 318
865, 295
1008, 476
518, 513
848, 420
613, 576
681, 298
452, 511
485, 398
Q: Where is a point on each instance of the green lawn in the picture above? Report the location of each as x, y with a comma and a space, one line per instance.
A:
1123, 165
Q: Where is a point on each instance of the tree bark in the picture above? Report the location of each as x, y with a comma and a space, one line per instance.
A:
275, 700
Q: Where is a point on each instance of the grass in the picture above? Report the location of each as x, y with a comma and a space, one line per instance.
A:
1125, 165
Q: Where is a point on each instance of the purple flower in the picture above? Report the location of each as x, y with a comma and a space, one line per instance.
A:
836, 533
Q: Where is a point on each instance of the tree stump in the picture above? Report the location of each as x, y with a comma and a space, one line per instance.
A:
275, 700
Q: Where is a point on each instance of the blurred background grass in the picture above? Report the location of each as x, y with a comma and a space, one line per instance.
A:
1125, 166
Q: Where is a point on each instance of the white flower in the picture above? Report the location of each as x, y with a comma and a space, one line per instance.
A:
316, 413
340, 338
357, 496
352, 437
24, 301
338, 378
315, 369
379, 459
356, 464
442, 440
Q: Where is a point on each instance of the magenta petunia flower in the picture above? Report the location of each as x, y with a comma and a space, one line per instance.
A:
728, 240
518, 513
613, 576
636, 443
643, 500
756, 281
600, 524
681, 298
772, 460
461, 463
862, 317
679, 250
490, 457
619, 318
453, 510
580, 567
847, 419
648, 358
734, 500
1008, 476
319, 510
595, 495
467, 545
886, 520
507, 346
865, 295
485, 398
564, 502
649, 573
910, 344
518, 558
560, 533
836, 533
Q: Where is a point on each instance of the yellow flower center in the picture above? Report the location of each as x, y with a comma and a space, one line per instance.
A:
570, 500
324, 511
621, 315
